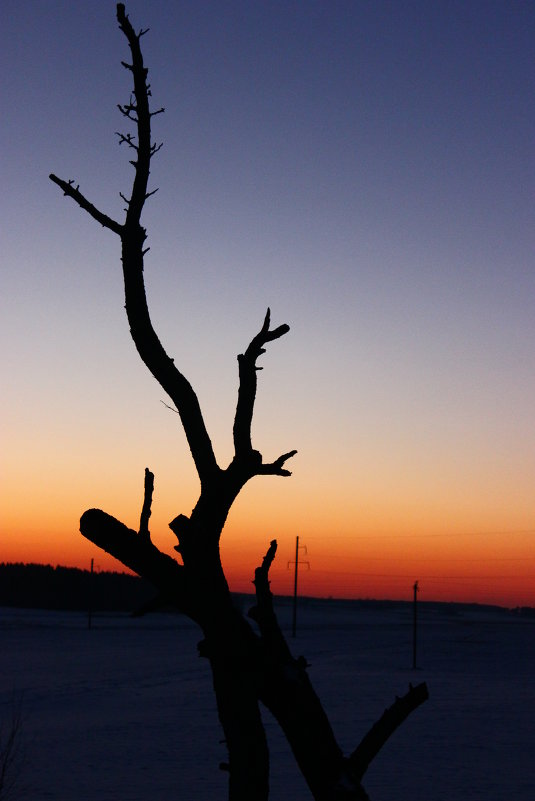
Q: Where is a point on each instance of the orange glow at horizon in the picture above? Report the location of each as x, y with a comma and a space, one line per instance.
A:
472, 567
447, 568
357, 547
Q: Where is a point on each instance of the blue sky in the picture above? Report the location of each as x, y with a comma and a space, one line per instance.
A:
365, 169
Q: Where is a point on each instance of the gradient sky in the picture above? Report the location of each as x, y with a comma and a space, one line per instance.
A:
366, 170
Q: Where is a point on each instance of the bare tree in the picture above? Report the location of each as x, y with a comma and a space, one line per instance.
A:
249, 665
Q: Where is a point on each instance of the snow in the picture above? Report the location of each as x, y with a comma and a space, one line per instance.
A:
126, 710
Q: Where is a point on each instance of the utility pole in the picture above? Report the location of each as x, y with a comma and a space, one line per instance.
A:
414, 623
294, 618
296, 563
90, 598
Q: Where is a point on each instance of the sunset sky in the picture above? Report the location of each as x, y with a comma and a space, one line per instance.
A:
366, 169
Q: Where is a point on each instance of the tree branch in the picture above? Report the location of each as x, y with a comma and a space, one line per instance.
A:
247, 394
392, 717
264, 614
147, 343
137, 553
133, 236
277, 468
147, 503
73, 191
128, 139
141, 94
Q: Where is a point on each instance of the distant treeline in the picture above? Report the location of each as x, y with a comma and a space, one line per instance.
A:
68, 588
47, 587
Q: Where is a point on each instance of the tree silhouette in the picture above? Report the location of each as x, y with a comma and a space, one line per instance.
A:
249, 664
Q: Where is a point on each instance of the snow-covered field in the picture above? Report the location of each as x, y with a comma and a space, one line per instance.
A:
125, 712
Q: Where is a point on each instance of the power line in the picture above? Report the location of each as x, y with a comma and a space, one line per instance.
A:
434, 559
351, 537
426, 576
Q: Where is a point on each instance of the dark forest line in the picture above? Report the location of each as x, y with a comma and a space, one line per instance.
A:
33, 586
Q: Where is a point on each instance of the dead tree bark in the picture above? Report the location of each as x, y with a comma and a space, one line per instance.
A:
248, 666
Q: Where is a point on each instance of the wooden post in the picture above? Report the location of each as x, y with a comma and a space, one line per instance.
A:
90, 598
414, 624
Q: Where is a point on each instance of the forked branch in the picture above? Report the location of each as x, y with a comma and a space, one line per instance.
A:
246, 399
277, 468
